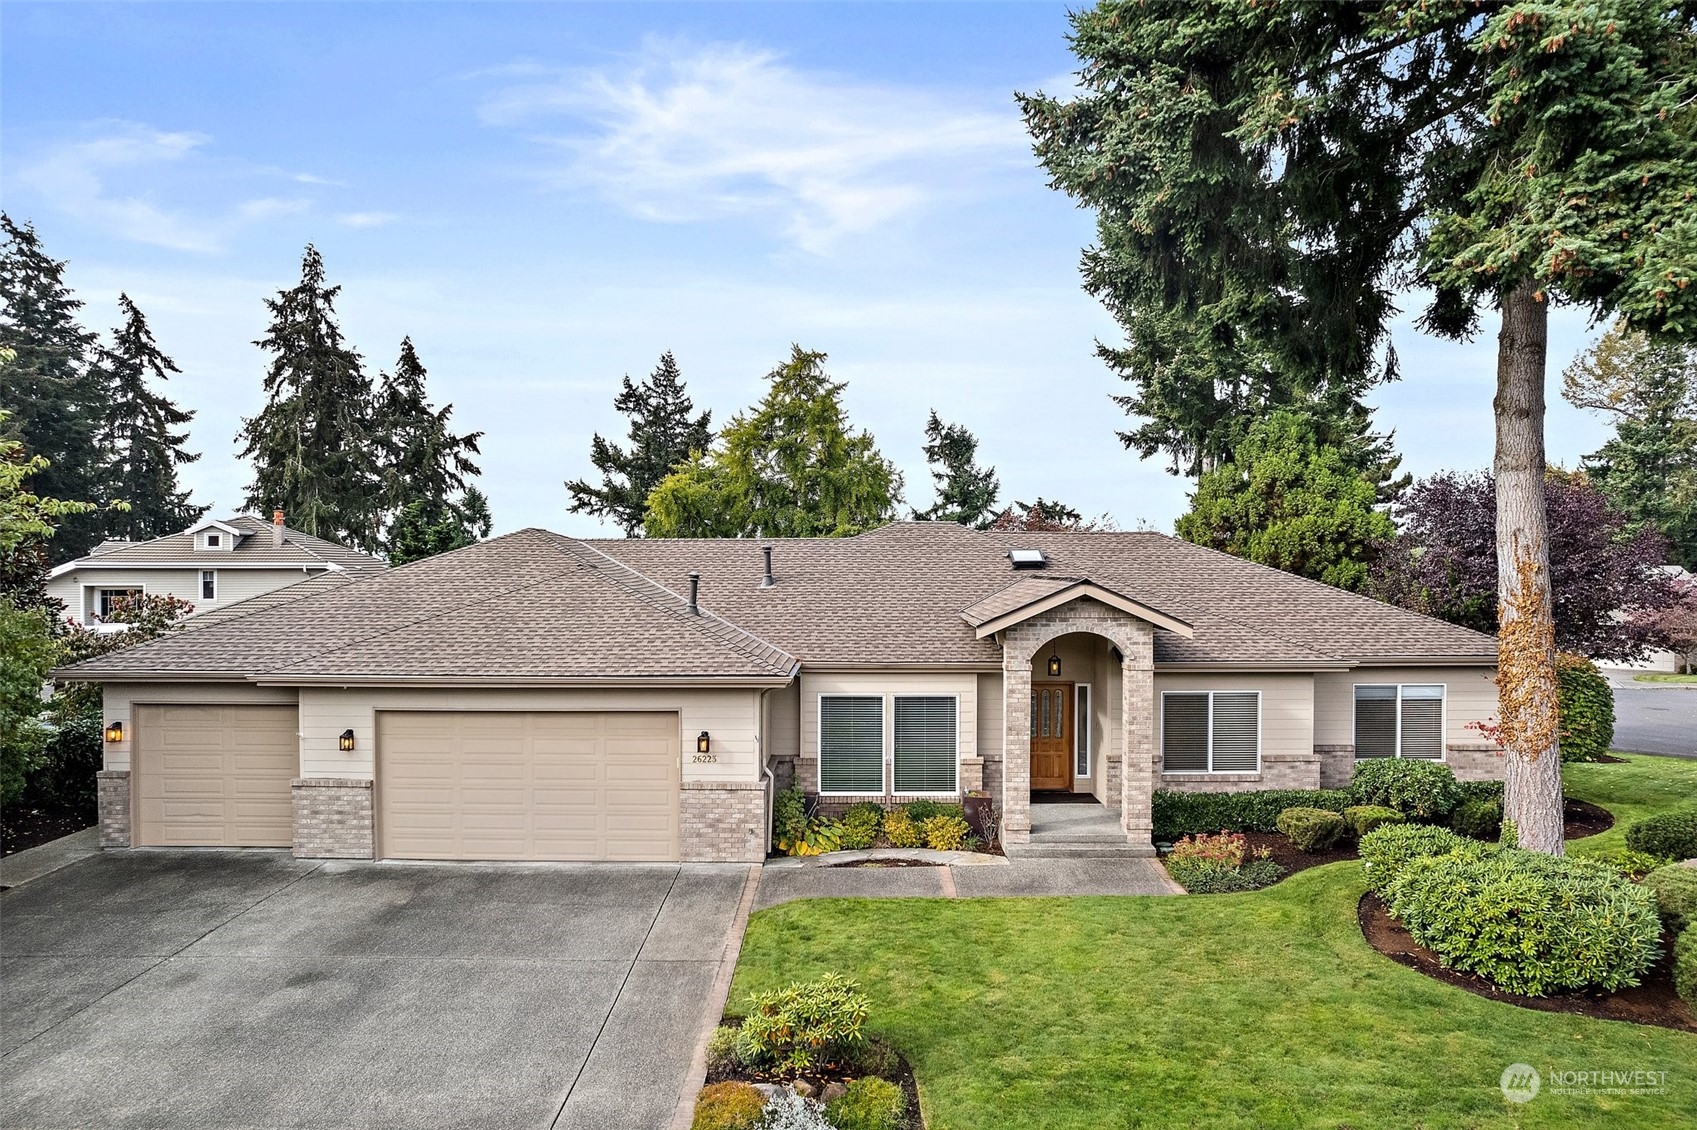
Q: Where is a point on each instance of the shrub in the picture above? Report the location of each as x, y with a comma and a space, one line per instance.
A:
1187, 814
789, 1111
1387, 850
868, 1104
723, 1053
900, 829
1209, 877
871, 1057
807, 1024
1675, 888
1527, 922
1225, 849
819, 836
789, 816
1363, 818
1586, 709
728, 1106
1478, 790
1632, 864
1422, 790
946, 833
919, 811
860, 825
1311, 829
1685, 965
1481, 819
1671, 835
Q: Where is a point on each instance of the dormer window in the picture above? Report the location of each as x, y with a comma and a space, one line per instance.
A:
213, 541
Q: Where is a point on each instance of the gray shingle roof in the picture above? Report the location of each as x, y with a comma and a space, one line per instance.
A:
537, 605
298, 550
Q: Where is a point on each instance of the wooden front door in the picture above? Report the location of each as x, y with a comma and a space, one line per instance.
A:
1051, 736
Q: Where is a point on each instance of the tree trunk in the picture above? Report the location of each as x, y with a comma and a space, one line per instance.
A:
1526, 649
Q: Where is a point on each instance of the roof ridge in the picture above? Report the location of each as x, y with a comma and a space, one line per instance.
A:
762, 653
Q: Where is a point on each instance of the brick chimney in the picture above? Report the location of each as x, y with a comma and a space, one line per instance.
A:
276, 529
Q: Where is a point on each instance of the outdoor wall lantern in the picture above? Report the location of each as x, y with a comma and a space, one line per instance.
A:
1054, 663
703, 743
114, 732
345, 743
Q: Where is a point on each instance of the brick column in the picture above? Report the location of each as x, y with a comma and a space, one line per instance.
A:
114, 802
724, 821
1137, 742
333, 818
1015, 801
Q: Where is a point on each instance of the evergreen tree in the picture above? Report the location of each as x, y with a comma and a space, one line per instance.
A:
315, 448
47, 383
421, 530
1266, 175
1648, 470
136, 434
790, 467
966, 492
28, 522
664, 433
425, 464
1289, 500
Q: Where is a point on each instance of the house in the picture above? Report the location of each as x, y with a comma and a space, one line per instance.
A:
542, 697
211, 565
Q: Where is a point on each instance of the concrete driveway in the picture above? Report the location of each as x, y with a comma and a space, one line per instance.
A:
250, 989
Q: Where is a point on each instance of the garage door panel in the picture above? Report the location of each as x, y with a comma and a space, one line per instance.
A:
534, 785
215, 776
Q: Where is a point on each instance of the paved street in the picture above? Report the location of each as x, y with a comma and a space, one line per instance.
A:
1654, 718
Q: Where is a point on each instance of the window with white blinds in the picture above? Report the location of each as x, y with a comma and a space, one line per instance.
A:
925, 760
1211, 731
851, 744
1399, 720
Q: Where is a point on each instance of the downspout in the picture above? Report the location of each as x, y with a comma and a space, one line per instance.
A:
765, 765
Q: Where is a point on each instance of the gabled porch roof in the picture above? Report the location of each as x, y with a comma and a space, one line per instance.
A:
1033, 596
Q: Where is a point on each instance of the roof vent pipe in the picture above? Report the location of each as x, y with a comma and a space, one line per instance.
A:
695, 593
768, 582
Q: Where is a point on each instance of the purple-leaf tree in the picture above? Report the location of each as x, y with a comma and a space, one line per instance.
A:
1604, 584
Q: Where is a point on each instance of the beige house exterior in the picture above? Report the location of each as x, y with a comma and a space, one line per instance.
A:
541, 697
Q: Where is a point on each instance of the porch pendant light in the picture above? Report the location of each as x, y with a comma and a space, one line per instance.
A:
114, 732
345, 743
1054, 663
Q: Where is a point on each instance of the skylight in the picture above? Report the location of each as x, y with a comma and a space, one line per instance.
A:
1026, 558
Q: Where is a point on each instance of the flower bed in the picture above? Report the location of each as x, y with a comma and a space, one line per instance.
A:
918, 824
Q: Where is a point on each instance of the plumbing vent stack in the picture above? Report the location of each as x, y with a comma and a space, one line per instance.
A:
695, 593
768, 582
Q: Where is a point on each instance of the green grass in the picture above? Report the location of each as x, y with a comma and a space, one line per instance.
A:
1665, 677
1639, 786
1255, 1010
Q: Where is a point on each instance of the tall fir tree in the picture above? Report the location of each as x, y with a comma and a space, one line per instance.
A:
142, 449
425, 463
966, 492
315, 448
48, 384
664, 432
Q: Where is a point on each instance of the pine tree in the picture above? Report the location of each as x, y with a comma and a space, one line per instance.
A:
315, 449
425, 464
664, 433
136, 434
790, 467
47, 383
966, 492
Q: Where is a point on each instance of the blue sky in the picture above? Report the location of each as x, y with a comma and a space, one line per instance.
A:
546, 196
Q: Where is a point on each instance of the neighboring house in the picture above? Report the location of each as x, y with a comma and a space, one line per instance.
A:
211, 565
541, 697
1661, 659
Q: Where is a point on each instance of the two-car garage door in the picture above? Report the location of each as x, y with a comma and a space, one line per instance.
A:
542, 786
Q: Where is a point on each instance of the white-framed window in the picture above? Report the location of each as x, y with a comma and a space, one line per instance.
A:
209, 583
926, 759
851, 743
1081, 731
106, 600
213, 541
1211, 731
1399, 720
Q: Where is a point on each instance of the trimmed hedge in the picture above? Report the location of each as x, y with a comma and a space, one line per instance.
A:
1586, 708
1421, 790
1527, 922
1675, 887
1311, 829
1671, 835
1363, 818
1386, 851
1481, 819
1685, 965
1193, 814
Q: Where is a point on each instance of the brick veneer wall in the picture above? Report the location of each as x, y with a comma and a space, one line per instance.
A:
113, 787
1476, 761
333, 818
1337, 765
1278, 771
724, 821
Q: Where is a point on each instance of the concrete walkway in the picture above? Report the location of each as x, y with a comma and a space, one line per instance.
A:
1020, 878
44, 859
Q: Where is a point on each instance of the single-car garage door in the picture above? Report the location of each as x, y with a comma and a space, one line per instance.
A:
558, 786
215, 776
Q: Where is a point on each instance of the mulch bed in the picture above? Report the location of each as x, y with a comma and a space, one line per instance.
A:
24, 827
1653, 1002
878, 863
902, 1077
1580, 819
1286, 855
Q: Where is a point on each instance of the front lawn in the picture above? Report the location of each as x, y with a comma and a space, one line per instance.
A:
1638, 786
1665, 677
1255, 1010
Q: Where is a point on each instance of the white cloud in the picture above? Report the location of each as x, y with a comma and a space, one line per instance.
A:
366, 219
682, 134
97, 179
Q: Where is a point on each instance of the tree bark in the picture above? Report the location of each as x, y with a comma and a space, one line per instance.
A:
1526, 650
